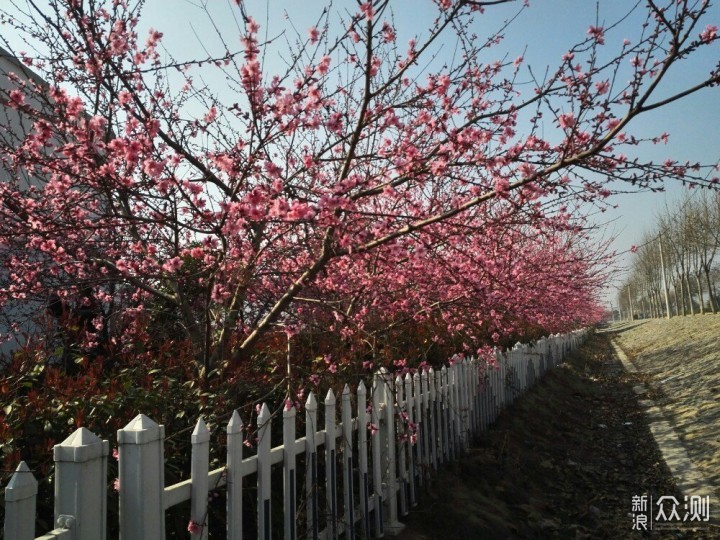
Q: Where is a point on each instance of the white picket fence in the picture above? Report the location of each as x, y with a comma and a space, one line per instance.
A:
402, 431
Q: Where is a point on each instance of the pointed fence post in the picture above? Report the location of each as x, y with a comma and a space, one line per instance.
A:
311, 468
378, 399
419, 421
330, 464
462, 404
471, 396
441, 448
454, 411
362, 422
427, 422
80, 484
141, 479
289, 473
432, 419
445, 415
502, 383
263, 474
402, 431
412, 436
199, 467
347, 429
234, 477
20, 502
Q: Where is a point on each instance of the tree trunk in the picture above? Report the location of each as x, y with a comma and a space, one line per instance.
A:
689, 293
700, 294
680, 297
713, 305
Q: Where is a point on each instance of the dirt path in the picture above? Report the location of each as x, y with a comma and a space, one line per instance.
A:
563, 462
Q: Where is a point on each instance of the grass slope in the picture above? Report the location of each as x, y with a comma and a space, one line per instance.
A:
681, 356
563, 462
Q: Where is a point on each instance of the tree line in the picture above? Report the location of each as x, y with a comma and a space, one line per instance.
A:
676, 270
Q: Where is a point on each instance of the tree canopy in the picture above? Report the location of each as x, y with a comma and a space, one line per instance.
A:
363, 190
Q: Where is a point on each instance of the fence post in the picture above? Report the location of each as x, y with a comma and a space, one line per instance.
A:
347, 429
289, 477
330, 464
412, 436
502, 361
402, 434
199, 467
393, 524
263, 473
378, 399
20, 501
432, 417
80, 483
419, 456
491, 394
442, 448
455, 410
362, 457
445, 398
234, 477
462, 404
471, 397
427, 422
141, 479
311, 470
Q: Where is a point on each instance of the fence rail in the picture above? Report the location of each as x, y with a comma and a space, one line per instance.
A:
379, 456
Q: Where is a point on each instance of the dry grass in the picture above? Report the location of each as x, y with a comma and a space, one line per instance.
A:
682, 358
563, 462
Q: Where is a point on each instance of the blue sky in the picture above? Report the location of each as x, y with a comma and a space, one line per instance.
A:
543, 33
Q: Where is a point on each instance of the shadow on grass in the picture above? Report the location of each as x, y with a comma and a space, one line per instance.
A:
563, 462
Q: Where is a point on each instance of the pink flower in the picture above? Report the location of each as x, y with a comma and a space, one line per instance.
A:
124, 97
602, 87
324, 66
633, 249
17, 98
707, 35
388, 33
566, 121
116, 454
172, 265
116, 484
194, 527
153, 38
313, 34
153, 168
211, 115
526, 170
597, 33
252, 25
501, 184
367, 10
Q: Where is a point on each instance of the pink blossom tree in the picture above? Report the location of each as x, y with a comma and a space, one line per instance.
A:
365, 185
